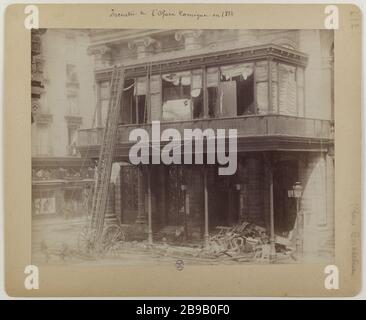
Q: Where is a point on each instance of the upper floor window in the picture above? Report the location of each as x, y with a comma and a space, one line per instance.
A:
72, 140
182, 95
73, 104
103, 103
43, 145
230, 90
269, 85
134, 101
71, 73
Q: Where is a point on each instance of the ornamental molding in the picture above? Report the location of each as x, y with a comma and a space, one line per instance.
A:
195, 34
141, 42
73, 121
159, 63
43, 118
101, 49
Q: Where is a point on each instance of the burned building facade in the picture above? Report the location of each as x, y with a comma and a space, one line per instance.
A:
275, 87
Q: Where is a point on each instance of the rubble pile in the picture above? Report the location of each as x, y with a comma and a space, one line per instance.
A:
243, 241
247, 241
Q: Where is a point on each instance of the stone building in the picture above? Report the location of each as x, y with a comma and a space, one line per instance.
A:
274, 86
62, 103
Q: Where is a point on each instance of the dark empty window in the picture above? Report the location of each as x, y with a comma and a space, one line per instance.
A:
127, 102
182, 95
71, 73
134, 108
213, 102
237, 90
141, 109
174, 88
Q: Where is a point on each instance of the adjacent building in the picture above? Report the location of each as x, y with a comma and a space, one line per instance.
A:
62, 103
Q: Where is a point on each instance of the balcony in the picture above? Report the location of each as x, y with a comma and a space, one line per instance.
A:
255, 133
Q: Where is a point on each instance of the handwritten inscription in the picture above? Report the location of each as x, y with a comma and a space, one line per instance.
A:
355, 238
355, 20
164, 14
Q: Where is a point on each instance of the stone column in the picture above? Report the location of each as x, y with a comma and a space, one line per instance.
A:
141, 216
163, 195
327, 79
269, 167
149, 207
206, 232
330, 241
102, 56
191, 38
144, 46
313, 175
309, 42
271, 216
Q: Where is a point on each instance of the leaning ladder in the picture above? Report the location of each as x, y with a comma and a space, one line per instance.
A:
104, 168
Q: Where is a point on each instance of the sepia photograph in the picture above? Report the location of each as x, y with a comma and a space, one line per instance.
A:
183, 150
182, 146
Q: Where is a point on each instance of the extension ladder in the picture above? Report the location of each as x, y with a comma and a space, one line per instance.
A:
105, 162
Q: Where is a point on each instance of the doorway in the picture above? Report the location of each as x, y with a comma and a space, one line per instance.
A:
223, 202
284, 177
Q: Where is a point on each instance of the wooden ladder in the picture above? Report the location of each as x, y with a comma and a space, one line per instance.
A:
100, 195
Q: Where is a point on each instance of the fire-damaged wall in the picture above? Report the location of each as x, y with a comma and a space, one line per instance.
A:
317, 176
178, 197
252, 179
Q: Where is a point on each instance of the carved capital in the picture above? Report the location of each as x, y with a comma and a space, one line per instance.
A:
99, 50
190, 34
144, 46
191, 38
102, 55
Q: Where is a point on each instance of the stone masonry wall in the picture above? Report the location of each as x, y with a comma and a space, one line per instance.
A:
317, 206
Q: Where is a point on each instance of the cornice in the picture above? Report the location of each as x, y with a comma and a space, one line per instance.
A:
198, 58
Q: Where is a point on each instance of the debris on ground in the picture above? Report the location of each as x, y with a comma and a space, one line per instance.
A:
246, 241
243, 242
240, 241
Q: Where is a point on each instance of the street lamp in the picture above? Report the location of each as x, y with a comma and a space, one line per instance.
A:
296, 192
